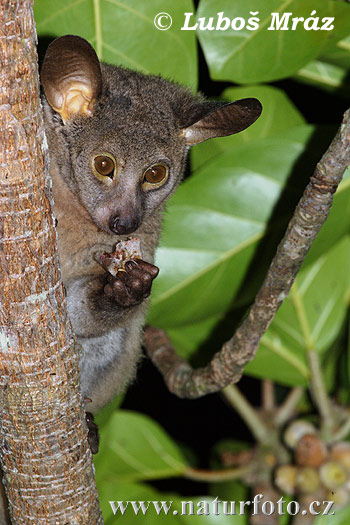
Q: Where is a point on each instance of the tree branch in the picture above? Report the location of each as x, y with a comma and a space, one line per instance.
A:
228, 364
44, 453
250, 416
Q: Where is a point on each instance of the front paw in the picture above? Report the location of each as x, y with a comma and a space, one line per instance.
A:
132, 286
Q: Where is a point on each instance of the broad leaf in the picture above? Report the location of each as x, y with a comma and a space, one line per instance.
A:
215, 222
113, 491
103, 416
338, 53
261, 55
206, 337
335, 517
134, 447
123, 33
310, 318
191, 339
235, 492
330, 77
348, 361
337, 224
278, 116
146, 506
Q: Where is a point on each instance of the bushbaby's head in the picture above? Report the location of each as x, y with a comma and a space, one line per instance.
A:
121, 137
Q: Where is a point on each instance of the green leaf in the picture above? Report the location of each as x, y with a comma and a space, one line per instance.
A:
214, 223
337, 223
208, 505
318, 302
134, 447
123, 33
326, 76
310, 318
188, 511
124, 492
278, 116
103, 416
205, 337
249, 56
332, 363
339, 54
232, 491
348, 351
336, 517
188, 339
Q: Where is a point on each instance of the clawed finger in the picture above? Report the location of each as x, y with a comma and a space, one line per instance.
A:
126, 290
132, 285
144, 271
136, 272
147, 267
118, 291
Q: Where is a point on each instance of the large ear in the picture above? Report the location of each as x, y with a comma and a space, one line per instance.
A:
71, 76
221, 121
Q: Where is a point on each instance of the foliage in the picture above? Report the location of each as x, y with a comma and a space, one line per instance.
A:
111, 25
223, 225
244, 58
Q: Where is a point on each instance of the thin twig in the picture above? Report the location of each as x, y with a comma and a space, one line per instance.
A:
247, 413
217, 475
268, 395
341, 433
286, 409
227, 365
319, 393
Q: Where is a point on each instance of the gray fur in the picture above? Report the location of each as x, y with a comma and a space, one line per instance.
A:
127, 125
140, 120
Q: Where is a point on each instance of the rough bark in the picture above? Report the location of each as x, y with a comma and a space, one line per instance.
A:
44, 452
227, 365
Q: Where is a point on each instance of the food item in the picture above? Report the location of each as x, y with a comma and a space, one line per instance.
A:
333, 475
310, 451
307, 480
296, 430
285, 478
124, 251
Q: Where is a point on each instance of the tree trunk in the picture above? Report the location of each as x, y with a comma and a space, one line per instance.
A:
47, 464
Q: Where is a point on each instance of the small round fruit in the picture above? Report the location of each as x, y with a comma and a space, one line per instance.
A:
307, 480
285, 478
333, 475
341, 452
341, 497
297, 429
310, 451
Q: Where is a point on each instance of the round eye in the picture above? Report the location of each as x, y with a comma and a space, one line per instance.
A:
155, 176
104, 166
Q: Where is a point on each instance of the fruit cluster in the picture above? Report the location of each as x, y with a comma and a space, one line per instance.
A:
318, 468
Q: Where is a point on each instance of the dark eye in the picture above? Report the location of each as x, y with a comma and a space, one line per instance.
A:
104, 166
155, 176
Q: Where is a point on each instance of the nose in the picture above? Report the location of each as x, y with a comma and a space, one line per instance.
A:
123, 226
